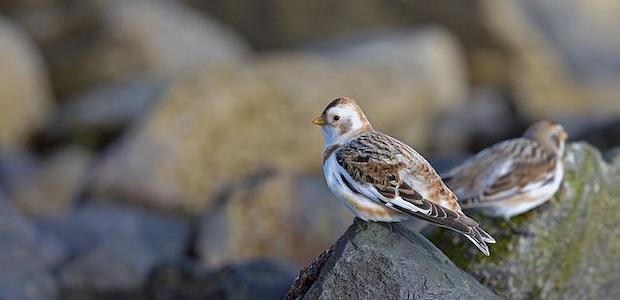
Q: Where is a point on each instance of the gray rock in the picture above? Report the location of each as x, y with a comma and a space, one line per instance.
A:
376, 261
113, 248
54, 186
255, 280
105, 109
90, 42
27, 256
565, 249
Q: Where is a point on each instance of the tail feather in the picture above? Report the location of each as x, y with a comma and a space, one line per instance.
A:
479, 238
466, 226
443, 217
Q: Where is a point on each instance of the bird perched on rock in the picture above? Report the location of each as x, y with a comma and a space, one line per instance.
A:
382, 179
513, 176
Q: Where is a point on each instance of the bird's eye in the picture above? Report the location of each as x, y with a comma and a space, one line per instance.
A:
336, 118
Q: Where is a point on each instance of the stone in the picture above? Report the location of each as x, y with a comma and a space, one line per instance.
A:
27, 257
25, 94
215, 126
283, 216
257, 279
52, 189
565, 249
552, 42
489, 116
113, 248
91, 42
380, 261
102, 111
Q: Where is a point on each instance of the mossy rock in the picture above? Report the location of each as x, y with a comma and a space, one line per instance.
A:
566, 249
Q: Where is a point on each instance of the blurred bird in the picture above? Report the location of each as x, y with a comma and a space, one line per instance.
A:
513, 176
382, 179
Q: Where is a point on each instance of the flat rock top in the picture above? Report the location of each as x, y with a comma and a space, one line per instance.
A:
380, 261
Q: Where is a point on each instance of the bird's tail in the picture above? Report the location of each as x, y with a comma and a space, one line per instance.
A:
468, 227
480, 238
444, 217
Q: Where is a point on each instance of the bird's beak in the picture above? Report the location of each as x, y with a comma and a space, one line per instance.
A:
318, 121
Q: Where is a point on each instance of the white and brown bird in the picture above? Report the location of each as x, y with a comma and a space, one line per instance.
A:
382, 179
513, 176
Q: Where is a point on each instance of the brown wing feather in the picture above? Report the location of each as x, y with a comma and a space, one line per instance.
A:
371, 159
477, 182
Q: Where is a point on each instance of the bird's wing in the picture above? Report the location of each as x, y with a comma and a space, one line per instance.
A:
377, 167
501, 172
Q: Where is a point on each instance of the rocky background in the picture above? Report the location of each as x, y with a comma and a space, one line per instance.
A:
162, 149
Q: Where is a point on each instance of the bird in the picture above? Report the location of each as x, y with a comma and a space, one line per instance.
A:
513, 176
381, 179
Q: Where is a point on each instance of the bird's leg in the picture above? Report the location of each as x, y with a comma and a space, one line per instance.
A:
361, 225
389, 225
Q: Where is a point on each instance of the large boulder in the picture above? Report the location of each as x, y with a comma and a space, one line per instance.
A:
25, 95
218, 125
381, 261
565, 249
291, 217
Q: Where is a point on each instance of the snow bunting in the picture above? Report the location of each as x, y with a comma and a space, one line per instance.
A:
380, 178
513, 176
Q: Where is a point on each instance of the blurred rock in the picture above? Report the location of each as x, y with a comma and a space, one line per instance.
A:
376, 261
102, 112
112, 249
261, 279
24, 90
54, 186
17, 166
601, 132
222, 124
91, 42
489, 116
585, 32
565, 249
294, 24
27, 257
557, 57
548, 39
280, 216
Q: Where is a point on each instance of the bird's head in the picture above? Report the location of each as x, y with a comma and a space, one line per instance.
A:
342, 120
550, 135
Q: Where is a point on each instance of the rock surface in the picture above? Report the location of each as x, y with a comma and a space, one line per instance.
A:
565, 249
91, 42
27, 257
25, 94
112, 249
215, 126
374, 261
102, 111
251, 280
291, 217
52, 189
